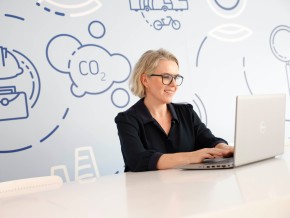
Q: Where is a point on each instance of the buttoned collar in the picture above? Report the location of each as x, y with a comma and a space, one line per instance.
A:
145, 115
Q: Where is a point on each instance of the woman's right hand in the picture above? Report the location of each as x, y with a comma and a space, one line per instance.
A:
168, 161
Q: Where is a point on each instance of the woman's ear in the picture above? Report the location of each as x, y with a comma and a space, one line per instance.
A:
144, 79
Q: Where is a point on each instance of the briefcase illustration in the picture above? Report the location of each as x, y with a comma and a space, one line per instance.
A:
13, 104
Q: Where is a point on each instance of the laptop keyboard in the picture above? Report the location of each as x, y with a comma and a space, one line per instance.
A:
218, 162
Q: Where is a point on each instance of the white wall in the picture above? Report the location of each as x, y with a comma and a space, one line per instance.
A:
61, 113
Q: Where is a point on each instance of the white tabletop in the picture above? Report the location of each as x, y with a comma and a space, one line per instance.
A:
261, 188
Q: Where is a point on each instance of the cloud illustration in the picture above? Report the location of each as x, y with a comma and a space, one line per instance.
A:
91, 68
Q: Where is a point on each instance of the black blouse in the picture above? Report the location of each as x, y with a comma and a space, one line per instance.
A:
143, 140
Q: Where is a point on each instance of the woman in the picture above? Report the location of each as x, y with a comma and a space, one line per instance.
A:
157, 134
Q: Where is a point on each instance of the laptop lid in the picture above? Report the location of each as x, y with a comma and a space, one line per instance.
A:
259, 127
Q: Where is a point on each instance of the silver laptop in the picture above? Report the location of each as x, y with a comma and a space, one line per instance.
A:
259, 131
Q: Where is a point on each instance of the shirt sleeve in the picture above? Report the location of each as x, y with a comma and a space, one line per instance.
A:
204, 136
136, 156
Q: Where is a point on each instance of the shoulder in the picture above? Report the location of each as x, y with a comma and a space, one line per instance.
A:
125, 115
136, 113
182, 106
184, 110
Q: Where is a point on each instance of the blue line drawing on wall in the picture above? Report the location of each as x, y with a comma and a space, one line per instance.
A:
15, 101
249, 88
76, 9
28, 66
20, 88
200, 108
14, 16
49, 134
55, 128
41, 140
280, 47
96, 29
245, 75
65, 113
164, 5
155, 6
147, 21
16, 150
9, 65
227, 9
13, 104
91, 67
199, 50
229, 32
168, 21
118, 95
226, 32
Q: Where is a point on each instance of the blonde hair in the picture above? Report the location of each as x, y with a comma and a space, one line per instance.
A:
147, 63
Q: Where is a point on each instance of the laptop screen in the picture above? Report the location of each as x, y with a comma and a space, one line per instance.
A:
259, 128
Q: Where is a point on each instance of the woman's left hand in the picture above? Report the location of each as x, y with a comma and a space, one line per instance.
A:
229, 150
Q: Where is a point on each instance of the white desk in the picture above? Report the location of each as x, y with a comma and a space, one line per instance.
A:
257, 190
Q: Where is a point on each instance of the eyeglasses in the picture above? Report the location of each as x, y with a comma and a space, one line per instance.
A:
168, 78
